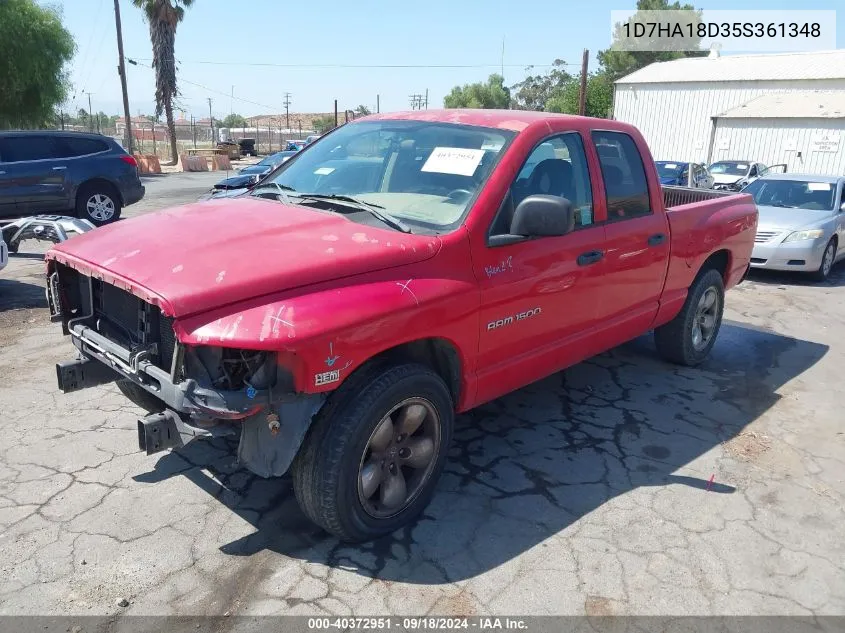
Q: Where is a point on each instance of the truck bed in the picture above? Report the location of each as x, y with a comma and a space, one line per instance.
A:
679, 196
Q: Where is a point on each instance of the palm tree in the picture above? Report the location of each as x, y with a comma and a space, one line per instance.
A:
163, 16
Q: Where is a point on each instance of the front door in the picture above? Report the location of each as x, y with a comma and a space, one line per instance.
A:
540, 294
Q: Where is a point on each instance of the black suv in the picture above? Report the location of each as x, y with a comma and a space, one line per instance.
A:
49, 171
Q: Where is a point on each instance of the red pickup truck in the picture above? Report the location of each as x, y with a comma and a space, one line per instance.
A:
402, 269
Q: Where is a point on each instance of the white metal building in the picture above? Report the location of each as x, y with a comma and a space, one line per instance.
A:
803, 130
677, 105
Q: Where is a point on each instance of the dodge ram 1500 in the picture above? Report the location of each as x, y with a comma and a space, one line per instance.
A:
402, 269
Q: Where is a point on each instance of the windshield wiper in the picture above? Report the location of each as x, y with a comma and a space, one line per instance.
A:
281, 189
375, 209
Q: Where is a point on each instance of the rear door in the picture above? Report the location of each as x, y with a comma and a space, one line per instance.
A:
636, 239
36, 171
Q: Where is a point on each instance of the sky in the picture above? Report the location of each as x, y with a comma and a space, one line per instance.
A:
221, 46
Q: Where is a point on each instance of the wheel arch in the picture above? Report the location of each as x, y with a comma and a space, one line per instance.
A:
98, 181
719, 261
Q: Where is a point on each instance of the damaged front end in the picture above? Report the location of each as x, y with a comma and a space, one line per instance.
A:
195, 391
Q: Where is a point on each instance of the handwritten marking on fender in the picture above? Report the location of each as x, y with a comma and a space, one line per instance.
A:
504, 266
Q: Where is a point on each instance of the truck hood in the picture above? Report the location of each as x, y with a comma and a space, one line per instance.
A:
782, 219
206, 255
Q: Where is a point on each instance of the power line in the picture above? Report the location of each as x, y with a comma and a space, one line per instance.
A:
277, 65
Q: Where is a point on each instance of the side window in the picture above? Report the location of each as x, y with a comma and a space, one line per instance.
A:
16, 149
69, 147
753, 171
557, 167
624, 178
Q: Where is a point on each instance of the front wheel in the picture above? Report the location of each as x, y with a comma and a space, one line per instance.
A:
373, 455
828, 258
688, 338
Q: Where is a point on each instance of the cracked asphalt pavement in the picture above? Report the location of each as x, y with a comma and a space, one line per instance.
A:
623, 485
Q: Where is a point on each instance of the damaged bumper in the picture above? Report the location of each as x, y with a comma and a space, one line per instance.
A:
271, 426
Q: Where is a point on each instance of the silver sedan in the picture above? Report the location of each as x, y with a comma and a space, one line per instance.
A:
802, 222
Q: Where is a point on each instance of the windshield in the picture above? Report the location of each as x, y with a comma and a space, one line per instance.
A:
665, 169
731, 168
793, 194
423, 173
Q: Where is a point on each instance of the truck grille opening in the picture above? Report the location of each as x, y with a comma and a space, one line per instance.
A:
131, 321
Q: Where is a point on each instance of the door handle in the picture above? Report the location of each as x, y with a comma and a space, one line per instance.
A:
657, 239
59, 168
590, 257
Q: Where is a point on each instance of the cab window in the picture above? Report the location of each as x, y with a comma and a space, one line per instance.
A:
623, 172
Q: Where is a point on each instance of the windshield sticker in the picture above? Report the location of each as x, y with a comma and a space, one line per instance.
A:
741, 166
492, 146
453, 160
671, 166
818, 186
323, 171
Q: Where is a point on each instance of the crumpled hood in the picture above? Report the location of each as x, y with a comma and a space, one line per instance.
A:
202, 256
726, 179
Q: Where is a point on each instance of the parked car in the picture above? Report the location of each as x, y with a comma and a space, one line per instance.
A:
678, 174
733, 175
311, 138
346, 317
248, 176
802, 222
88, 175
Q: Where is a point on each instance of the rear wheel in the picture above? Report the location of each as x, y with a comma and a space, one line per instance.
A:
98, 203
372, 458
828, 258
688, 338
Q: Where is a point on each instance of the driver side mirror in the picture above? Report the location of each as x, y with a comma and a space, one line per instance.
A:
538, 216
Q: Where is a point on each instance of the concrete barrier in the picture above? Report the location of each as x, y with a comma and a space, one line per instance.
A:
220, 162
148, 164
193, 163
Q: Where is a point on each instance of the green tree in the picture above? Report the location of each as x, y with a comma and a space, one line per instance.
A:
532, 92
163, 18
34, 49
599, 96
618, 63
362, 110
492, 94
234, 120
323, 123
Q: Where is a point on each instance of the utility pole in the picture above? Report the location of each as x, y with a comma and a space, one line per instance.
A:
335, 112
287, 110
121, 70
90, 120
378, 104
211, 120
426, 98
232, 102
582, 93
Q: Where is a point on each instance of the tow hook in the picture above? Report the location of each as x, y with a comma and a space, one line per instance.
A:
161, 431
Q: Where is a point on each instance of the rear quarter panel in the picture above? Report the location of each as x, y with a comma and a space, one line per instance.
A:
699, 230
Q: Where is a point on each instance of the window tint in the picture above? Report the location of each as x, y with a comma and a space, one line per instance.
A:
623, 172
20, 148
80, 146
558, 167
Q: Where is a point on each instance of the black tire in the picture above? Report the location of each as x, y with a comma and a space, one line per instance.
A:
140, 397
98, 192
675, 340
326, 469
827, 265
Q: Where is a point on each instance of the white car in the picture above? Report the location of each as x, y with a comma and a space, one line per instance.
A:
4, 254
733, 175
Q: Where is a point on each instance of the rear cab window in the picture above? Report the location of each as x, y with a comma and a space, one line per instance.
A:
623, 172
